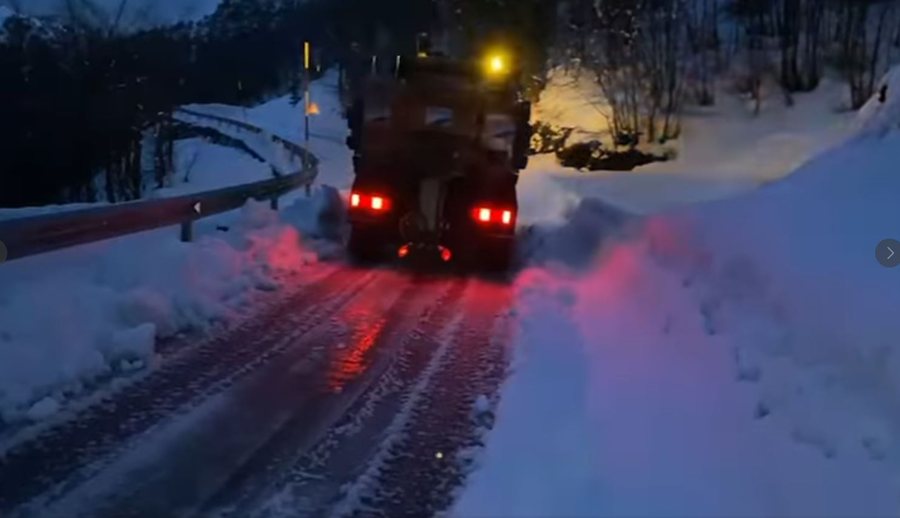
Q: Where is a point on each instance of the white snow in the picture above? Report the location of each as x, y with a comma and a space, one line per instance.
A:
278, 158
723, 150
202, 166
74, 316
109, 302
328, 129
733, 358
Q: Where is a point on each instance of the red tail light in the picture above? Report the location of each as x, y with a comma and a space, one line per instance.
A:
370, 202
446, 254
489, 216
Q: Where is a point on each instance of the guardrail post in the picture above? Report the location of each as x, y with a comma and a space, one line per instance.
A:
273, 203
187, 231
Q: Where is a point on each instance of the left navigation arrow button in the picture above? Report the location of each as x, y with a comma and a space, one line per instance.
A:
198, 208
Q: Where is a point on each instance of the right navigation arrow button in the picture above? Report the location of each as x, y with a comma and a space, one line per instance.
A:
888, 253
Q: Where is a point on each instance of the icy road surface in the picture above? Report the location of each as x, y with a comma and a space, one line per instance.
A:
364, 391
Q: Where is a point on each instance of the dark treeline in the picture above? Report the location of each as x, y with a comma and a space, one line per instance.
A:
80, 106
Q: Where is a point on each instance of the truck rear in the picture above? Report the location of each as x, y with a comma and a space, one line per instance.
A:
438, 148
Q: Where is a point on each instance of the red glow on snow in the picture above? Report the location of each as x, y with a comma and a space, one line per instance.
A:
352, 357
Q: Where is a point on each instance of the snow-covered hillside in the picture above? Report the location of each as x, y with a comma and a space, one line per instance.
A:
732, 358
282, 117
722, 142
133, 14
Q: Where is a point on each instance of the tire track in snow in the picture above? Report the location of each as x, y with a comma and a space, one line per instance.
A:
58, 458
312, 483
318, 470
235, 441
428, 448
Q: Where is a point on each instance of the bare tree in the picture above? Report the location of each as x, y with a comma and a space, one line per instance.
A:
113, 27
703, 44
862, 31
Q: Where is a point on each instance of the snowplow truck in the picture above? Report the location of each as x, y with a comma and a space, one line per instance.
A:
438, 146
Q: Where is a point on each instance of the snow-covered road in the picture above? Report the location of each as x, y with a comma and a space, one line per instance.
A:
325, 403
682, 344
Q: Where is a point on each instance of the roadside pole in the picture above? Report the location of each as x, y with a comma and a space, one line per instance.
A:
306, 107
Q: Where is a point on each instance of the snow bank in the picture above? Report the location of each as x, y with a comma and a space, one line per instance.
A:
75, 317
731, 358
800, 257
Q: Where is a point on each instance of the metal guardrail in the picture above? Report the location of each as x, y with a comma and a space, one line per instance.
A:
34, 235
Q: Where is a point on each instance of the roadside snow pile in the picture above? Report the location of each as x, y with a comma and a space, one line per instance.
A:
73, 318
799, 258
733, 358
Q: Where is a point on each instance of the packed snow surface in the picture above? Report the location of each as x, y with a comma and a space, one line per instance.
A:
731, 358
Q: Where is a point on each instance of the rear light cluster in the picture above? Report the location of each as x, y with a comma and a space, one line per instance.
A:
370, 202
446, 254
494, 216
